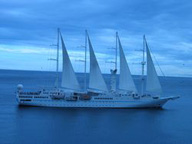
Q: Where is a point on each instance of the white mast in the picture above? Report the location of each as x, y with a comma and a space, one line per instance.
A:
57, 60
143, 67
113, 72
85, 79
116, 51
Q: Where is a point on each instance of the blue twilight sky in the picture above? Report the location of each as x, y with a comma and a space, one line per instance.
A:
28, 28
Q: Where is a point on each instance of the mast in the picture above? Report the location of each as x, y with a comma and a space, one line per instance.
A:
143, 66
113, 72
57, 60
116, 51
85, 75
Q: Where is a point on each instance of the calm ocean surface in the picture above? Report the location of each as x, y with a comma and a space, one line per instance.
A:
31, 125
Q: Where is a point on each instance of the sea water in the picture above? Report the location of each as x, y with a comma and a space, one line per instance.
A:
31, 125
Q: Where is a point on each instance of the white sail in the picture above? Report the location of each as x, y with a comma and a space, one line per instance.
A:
152, 84
69, 79
125, 79
96, 80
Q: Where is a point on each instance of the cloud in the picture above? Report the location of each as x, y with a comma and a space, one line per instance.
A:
29, 27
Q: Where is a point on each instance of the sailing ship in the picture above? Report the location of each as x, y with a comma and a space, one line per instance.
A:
97, 94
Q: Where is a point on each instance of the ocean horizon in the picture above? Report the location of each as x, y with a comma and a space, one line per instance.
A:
169, 125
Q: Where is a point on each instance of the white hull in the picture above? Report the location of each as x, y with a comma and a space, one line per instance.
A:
121, 103
97, 104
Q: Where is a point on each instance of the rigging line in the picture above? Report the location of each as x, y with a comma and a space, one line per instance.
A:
157, 63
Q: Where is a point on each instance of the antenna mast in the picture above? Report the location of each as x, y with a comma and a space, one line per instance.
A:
116, 51
143, 66
85, 68
57, 60
113, 72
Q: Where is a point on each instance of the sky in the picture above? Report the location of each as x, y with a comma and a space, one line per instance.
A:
29, 28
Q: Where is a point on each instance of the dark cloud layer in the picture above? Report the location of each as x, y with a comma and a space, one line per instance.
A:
167, 25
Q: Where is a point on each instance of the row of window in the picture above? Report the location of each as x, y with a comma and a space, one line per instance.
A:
104, 98
40, 97
25, 100
29, 93
32, 97
25, 96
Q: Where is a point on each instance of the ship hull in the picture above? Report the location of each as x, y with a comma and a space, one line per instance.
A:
154, 103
